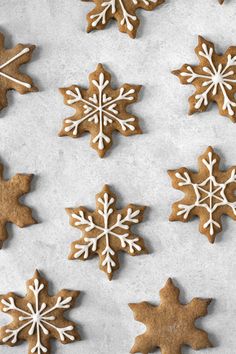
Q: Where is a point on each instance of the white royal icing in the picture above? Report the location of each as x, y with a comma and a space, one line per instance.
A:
214, 194
106, 231
112, 4
2, 66
100, 109
215, 78
38, 319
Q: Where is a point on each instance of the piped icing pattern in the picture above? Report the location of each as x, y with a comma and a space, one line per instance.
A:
38, 317
100, 110
214, 79
10, 76
123, 11
106, 231
209, 194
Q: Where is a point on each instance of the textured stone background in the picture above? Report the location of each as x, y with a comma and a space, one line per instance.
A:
69, 173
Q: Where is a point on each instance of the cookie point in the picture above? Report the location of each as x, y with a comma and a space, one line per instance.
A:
201, 39
106, 187
34, 221
68, 210
132, 307
175, 72
169, 281
89, 29
36, 274
110, 275
209, 300
100, 66
210, 149
211, 239
31, 46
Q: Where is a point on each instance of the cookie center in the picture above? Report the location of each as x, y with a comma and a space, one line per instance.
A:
36, 317
210, 194
217, 79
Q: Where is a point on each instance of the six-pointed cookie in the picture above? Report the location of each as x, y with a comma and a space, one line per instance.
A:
10, 76
209, 194
38, 317
100, 110
11, 210
170, 325
106, 231
123, 11
214, 79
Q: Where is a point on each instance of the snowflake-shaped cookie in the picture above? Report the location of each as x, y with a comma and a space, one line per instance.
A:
123, 11
11, 210
38, 317
106, 231
10, 76
170, 325
100, 110
209, 194
214, 79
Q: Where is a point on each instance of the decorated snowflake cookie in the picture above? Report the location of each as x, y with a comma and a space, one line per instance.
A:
10, 76
209, 194
38, 317
171, 325
214, 79
123, 11
11, 210
106, 231
100, 110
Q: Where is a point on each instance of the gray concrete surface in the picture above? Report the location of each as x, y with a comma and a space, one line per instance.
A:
69, 173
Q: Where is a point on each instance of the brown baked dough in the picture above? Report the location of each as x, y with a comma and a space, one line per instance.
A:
171, 324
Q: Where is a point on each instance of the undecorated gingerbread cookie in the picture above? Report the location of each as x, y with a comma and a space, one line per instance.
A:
100, 110
11, 210
214, 79
37, 317
106, 231
209, 194
123, 11
170, 325
10, 76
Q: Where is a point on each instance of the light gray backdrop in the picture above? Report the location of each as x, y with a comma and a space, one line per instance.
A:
69, 173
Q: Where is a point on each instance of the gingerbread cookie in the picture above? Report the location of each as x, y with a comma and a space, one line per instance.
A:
106, 231
214, 79
170, 325
123, 11
38, 317
100, 110
10, 76
11, 210
209, 194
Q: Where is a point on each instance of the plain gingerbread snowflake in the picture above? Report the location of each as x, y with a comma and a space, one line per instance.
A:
171, 325
100, 110
209, 194
123, 11
38, 317
106, 231
214, 79
11, 209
